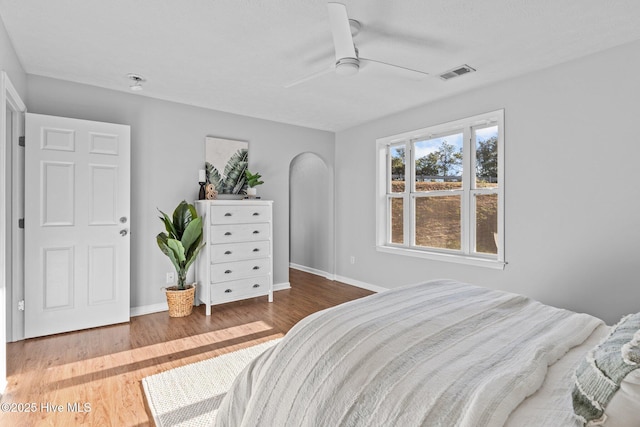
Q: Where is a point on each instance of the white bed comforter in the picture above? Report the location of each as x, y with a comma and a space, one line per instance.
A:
441, 353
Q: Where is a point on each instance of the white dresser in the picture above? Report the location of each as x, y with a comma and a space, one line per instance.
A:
236, 262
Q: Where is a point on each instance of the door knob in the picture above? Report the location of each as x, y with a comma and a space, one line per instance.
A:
124, 232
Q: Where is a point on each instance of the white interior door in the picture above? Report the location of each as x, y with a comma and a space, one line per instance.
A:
77, 197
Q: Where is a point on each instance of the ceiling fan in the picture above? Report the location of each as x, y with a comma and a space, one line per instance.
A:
348, 61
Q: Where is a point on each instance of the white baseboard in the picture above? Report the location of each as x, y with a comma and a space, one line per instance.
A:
148, 309
155, 308
317, 272
281, 286
359, 284
337, 278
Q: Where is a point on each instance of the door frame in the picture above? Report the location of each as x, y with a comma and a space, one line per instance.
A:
10, 101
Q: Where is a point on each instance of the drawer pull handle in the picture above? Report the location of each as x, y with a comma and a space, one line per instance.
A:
228, 233
256, 232
227, 272
227, 214
256, 214
256, 268
228, 291
256, 286
227, 253
256, 250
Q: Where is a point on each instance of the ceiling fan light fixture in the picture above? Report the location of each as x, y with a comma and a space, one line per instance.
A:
347, 66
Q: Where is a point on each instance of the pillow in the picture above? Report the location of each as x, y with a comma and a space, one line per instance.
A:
607, 382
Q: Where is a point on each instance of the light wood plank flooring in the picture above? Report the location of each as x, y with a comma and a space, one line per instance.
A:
103, 367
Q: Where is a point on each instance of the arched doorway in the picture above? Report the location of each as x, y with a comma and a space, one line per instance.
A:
311, 222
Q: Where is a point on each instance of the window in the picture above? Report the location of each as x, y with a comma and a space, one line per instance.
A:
440, 191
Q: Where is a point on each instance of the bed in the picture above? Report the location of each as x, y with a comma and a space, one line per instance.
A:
441, 353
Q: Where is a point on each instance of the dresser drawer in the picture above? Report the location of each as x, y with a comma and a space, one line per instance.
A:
239, 289
239, 251
238, 214
239, 233
240, 269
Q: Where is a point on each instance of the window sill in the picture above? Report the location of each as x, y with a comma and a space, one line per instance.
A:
460, 259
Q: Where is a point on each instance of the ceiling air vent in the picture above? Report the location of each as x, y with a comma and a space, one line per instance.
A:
458, 71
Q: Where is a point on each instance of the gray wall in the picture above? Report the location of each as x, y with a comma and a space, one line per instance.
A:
572, 194
167, 150
10, 63
311, 214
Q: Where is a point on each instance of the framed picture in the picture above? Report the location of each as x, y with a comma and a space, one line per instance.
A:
226, 161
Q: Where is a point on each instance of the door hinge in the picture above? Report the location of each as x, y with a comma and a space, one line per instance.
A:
21, 223
21, 305
21, 141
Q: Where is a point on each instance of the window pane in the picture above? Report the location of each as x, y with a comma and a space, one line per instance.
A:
439, 163
397, 220
486, 223
398, 165
486, 157
438, 222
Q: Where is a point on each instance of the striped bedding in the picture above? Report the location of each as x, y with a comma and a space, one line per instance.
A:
442, 353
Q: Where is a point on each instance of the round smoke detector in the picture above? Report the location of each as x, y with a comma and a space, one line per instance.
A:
136, 81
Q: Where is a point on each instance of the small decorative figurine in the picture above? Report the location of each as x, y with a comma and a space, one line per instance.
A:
210, 192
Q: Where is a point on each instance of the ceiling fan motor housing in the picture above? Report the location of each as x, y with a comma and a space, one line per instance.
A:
347, 66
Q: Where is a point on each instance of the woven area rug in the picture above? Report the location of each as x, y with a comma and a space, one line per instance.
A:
190, 395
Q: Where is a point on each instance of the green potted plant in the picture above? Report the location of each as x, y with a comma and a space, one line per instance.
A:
253, 180
181, 242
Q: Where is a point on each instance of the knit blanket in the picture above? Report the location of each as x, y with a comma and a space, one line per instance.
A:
442, 353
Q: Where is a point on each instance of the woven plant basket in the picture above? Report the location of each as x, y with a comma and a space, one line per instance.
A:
180, 301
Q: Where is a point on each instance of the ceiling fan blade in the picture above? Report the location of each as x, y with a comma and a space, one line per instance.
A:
341, 31
310, 77
365, 60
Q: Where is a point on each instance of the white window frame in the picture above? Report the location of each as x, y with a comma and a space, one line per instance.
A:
467, 254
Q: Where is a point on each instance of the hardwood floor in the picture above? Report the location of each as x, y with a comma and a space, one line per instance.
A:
101, 369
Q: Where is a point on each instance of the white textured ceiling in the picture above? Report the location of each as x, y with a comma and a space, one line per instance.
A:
237, 55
